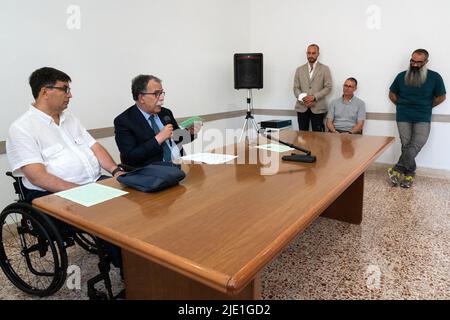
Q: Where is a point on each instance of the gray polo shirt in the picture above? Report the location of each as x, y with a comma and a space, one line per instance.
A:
345, 115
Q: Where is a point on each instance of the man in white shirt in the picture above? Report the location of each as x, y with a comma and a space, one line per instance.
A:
48, 146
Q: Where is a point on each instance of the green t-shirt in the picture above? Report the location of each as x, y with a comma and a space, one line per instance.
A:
415, 104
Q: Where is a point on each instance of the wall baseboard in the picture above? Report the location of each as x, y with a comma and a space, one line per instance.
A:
107, 132
369, 115
101, 133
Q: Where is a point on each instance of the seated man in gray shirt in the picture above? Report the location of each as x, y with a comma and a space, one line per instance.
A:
347, 113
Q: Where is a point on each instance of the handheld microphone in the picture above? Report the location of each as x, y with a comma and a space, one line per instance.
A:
167, 120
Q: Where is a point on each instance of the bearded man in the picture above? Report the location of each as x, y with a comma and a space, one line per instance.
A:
312, 83
415, 93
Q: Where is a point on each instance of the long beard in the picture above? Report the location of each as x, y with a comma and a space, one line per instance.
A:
416, 77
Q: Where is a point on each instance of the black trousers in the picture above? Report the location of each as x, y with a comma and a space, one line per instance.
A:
112, 250
304, 118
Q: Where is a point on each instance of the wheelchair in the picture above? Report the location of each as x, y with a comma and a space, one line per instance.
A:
33, 252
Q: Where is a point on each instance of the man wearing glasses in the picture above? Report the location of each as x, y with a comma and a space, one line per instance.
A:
347, 113
50, 149
415, 93
147, 132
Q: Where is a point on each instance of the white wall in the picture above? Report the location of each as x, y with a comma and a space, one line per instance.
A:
283, 29
352, 45
189, 44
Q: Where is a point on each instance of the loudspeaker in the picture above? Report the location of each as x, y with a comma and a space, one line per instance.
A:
248, 70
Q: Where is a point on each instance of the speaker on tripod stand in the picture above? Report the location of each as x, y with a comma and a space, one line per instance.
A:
248, 74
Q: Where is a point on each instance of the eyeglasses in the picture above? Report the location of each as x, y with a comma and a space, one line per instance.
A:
66, 89
416, 62
157, 93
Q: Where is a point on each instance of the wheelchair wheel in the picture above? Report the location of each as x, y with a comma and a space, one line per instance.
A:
86, 241
32, 254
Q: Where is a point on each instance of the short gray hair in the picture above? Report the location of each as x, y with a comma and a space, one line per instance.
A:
139, 84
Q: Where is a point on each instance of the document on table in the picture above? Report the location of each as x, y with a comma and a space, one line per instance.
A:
209, 158
91, 194
275, 147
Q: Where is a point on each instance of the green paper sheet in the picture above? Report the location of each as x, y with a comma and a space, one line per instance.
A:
189, 122
275, 147
91, 194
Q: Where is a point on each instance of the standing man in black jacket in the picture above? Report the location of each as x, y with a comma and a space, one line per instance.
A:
147, 132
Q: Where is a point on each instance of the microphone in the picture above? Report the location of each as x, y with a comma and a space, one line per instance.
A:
294, 157
167, 120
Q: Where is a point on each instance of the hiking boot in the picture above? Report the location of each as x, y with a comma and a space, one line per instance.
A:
407, 182
394, 176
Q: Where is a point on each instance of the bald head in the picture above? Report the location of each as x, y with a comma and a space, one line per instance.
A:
312, 53
315, 46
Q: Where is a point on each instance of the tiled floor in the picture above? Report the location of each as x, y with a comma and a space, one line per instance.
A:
400, 251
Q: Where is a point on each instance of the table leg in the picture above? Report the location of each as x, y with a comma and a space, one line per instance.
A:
349, 206
146, 280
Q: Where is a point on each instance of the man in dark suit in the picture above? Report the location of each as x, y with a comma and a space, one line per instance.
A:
147, 132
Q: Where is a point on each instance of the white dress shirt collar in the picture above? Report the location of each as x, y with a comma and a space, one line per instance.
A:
45, 117
311, 72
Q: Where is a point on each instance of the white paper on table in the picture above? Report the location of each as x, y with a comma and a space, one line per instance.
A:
209, 158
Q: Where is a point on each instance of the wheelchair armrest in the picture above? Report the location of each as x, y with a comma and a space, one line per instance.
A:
10, 174
17, 184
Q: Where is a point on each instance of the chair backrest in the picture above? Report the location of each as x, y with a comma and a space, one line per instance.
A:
18, 185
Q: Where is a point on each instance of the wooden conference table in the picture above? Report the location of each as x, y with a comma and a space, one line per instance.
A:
210, 237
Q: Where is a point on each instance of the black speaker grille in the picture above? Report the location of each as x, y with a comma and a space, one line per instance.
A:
248, 71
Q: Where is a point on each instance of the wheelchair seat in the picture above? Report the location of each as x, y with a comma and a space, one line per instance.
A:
33, 247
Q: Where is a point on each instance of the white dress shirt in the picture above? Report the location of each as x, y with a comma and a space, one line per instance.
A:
312, 70
311, 74
64, 149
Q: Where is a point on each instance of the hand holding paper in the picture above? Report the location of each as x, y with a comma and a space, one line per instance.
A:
301, 96
191, 122
194, 129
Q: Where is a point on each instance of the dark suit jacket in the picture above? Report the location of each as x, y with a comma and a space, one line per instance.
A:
136, 139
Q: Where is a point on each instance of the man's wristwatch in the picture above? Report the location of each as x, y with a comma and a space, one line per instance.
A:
116, 170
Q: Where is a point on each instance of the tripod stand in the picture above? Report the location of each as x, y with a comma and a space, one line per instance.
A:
250, 122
